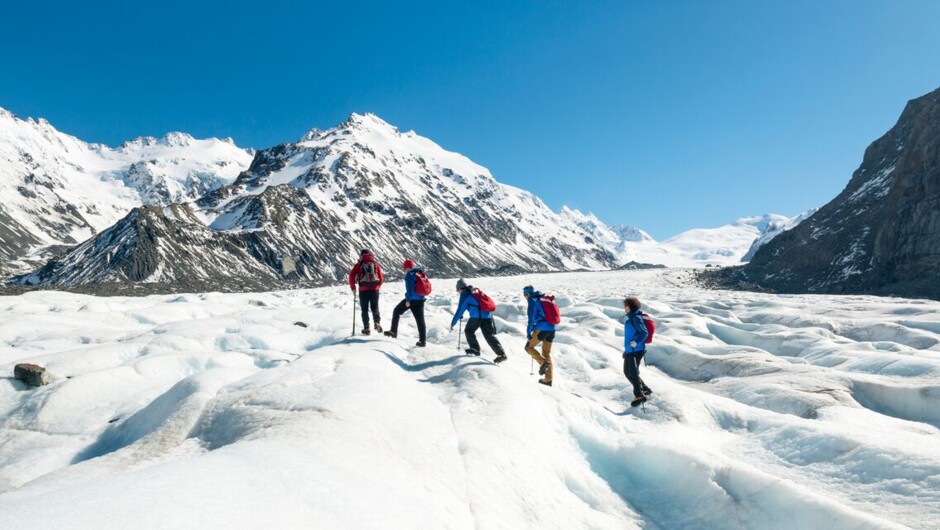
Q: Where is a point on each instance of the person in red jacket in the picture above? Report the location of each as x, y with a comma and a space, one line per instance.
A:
367, 273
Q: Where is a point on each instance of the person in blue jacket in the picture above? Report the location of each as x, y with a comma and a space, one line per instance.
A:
634, 348
413, 302
539, 330
479, 319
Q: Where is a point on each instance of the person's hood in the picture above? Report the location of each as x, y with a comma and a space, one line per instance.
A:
367, 258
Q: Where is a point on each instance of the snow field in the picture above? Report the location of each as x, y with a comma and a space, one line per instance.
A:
215, 411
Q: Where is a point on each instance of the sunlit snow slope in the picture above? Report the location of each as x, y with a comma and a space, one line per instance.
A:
59, 190
699, 247
216, 411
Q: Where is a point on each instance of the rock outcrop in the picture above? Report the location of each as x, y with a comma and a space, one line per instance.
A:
881, 235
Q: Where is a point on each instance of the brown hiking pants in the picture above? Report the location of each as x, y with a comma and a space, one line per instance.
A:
546, 338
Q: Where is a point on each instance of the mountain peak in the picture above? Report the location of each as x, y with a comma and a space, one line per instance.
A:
177, 139
368, 120
356, 122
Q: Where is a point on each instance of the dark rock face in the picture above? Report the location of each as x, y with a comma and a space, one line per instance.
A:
636, 265
881, 235
31, 374
15, 240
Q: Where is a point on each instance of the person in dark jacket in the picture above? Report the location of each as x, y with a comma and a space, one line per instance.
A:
413, 302
634, 348
479, 319
539, 330
367, 274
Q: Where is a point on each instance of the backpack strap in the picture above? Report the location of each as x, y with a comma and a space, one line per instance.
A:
633, 322
474, 298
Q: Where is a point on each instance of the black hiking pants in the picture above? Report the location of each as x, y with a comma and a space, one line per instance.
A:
369, 300
488, 327
631, 369
417, 309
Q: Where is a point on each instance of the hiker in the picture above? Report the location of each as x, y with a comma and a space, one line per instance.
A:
472, 300
539, 330
415, 278
635, 334
367, 273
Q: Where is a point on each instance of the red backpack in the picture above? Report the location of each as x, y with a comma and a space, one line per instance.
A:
422, 284
552, 313
650, 327
486, 303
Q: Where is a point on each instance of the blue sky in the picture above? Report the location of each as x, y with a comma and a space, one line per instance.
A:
664, 115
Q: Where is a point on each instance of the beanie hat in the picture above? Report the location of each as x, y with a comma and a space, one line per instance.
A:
528, 289
461, 284
408, 264
364, 252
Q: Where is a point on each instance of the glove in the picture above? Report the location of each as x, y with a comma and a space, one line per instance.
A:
633, 344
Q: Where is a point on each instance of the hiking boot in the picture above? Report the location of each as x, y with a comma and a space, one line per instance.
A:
500, 358
647, 391
637, 401
365, 331
420, 344
543, 368
471, 351
378, 327
391, 334
544, 382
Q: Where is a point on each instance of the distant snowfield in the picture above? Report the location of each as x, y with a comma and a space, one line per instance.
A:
215, 411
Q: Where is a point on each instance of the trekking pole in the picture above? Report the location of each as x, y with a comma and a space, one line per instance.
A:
354, 315
532, 366
459, 333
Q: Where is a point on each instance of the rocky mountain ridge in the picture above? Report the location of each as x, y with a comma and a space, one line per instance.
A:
59, 191
880, 235
301, 211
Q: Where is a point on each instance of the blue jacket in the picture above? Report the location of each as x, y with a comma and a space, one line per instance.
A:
537, 315
410, 278
468, 303
634, 329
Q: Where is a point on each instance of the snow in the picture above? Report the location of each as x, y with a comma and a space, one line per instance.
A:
365, 173
878, 186
774, 229
699, 247
216, 411
62, 190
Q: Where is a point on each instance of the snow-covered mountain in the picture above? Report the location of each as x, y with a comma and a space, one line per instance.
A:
59, 190
774, 229
724, 245
302, 211
613, 237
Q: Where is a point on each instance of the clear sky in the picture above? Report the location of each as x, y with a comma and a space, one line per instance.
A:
663, 115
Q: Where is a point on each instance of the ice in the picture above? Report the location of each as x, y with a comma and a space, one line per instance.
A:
216, 411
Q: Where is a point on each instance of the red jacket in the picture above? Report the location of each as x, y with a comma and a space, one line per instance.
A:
355, 275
